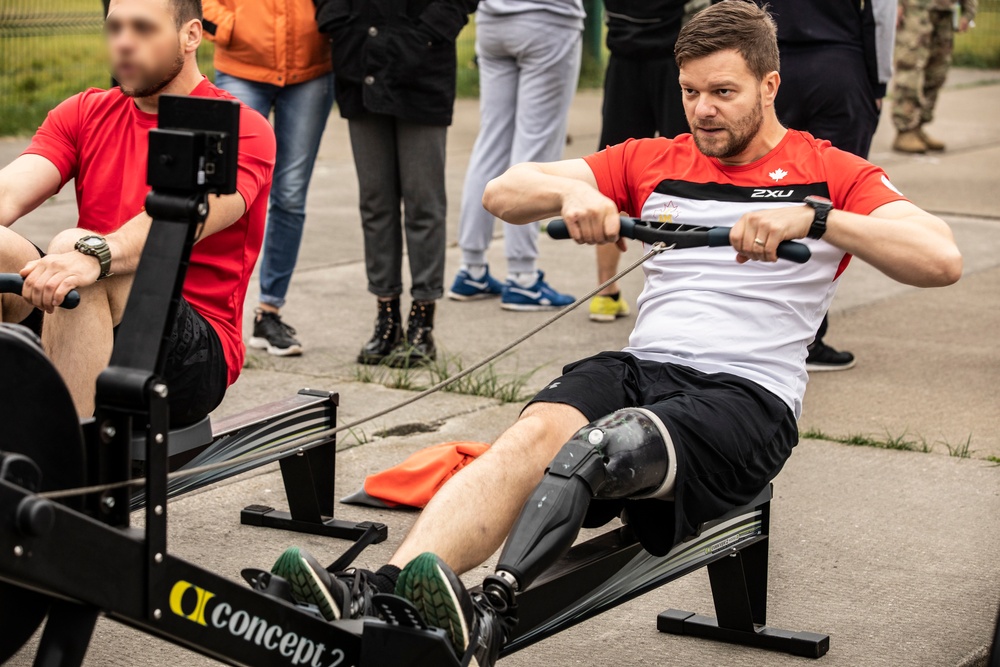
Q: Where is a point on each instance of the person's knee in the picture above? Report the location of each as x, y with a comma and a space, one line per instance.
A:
65, 241
633, 453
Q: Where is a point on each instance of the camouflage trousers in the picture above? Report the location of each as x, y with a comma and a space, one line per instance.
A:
924, 44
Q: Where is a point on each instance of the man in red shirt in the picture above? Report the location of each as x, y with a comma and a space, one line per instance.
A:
99, 139
699, 412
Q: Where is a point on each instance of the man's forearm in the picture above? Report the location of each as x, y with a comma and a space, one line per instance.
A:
525, 194
127, 242
916, 249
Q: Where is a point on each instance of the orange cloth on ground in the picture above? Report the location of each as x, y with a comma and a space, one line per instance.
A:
414, 481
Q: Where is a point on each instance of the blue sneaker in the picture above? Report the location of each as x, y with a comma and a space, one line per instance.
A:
466, 288
537, 297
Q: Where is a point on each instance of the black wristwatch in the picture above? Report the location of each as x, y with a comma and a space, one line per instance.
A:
821, 207
96, 246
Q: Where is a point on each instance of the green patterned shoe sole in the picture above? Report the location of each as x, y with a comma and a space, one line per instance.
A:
426, 585
300, 570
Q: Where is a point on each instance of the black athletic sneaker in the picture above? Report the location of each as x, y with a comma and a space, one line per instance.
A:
822, 357
338, 596
472, 624
272, 334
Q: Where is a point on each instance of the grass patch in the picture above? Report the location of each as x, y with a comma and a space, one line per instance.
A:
41, 70
961, 450
980, 47
899, 442
486, 382
993, 459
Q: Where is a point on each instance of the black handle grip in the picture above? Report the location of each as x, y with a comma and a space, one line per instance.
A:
12, 283
713, 237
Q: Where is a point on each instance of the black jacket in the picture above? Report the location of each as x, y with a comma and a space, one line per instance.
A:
642, 29
395, 57
816, 24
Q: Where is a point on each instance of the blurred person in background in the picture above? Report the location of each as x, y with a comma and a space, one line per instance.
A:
271, 55
924, 42
641, 99
528, 53
394, 65
836, 60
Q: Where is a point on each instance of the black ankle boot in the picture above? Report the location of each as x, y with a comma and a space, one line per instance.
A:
388, 334
419, 349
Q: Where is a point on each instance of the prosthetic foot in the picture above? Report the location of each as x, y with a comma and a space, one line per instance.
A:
627, 454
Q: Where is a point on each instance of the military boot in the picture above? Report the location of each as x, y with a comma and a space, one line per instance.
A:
909, 142
929, 141
418, 350
388, 334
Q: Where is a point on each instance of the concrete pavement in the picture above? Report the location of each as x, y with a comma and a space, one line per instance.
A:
893, 553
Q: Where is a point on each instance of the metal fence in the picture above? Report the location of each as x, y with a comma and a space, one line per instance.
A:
51, 49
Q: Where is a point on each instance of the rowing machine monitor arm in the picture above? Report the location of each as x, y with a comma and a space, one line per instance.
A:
627, 454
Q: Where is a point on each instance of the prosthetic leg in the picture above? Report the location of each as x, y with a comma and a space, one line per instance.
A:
627, 454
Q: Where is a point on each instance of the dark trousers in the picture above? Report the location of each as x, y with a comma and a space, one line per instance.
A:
401, 163
825, 91
641, 99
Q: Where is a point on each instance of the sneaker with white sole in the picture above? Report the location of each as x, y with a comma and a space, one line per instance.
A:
272, 334
822, 358
467, 288
338, 596
539, 296
471, 623
604, 308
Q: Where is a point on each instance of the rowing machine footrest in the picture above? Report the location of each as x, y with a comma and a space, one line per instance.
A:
402, 639
803, 644
268, 517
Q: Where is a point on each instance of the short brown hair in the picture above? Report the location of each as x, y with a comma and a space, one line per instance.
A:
186, 10
739, 25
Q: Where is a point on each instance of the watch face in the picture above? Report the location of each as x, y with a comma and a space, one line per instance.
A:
93, 241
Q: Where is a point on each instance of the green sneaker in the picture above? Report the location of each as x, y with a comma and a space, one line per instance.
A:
342, 595
443, 602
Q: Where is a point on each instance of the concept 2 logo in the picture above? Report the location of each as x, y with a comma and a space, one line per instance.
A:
201, 599
193, 603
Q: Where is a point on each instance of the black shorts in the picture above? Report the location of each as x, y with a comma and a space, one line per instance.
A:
195, 371
730, 435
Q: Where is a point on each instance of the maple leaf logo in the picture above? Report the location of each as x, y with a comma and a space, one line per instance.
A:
778, 174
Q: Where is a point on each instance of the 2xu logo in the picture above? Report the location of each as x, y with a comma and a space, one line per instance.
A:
299, 650
764, 193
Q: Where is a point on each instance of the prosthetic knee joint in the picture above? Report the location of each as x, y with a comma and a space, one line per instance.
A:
627, 454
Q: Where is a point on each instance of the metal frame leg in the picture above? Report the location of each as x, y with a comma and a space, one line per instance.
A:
739, 590
67, 635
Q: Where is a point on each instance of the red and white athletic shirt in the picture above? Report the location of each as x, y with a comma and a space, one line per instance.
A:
100, 139
699, 307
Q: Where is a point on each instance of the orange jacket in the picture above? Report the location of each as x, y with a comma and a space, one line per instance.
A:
269, 41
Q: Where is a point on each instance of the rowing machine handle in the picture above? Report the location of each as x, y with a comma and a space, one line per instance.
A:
11, 283
717, 236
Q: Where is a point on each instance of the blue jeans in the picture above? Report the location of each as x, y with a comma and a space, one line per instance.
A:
300, 114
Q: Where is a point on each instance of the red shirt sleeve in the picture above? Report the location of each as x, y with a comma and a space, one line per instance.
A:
57, 139
611, 169
857, 185
256, 161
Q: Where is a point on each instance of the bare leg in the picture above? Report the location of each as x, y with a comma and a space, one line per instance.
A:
607, 266
15, 252
79, 341
470, 516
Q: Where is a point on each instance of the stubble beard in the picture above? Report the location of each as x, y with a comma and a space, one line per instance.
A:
740, 135
156, 82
